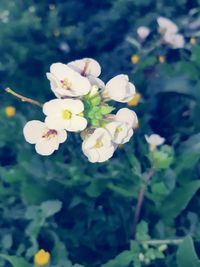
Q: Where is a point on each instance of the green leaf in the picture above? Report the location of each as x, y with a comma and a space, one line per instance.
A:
51, 207
177, 201
122, 260
186, 254
106, 109
16, 261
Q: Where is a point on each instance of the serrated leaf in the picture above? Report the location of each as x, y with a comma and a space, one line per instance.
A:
186, 254
51, 207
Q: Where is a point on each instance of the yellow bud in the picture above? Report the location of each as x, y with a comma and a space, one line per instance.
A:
161, 59
41, 258
10, 111
193, 40
135, 59
135, 100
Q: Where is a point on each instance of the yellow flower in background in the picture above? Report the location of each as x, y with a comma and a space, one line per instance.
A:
135, 59
10, 111
135, 100
161, 59
41, 258
193, 40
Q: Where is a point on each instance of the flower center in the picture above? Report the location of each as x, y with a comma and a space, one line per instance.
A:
49, 134
84, 72
117, 131
67, 114
98, 144
66, 84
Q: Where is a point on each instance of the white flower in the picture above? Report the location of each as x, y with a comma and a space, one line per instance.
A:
128, 116
166, 25
65, 114
174, 40
65, 82
86, 67
90, 68
120, 132
154, 140
143, 32
46, 140
119, 89
98, 147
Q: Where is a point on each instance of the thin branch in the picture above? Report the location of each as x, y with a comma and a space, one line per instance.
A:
162, 242
140, 199
23, 98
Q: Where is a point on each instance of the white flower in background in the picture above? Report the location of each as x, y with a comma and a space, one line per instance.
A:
143, 32
154, 140
119, 89
98, 147
90, 68
120, 132
174, 40
65, 82
166, 26
46, 140
128, 116
65, 114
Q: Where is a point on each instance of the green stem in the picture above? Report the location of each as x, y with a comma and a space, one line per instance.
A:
141, 198
23, 98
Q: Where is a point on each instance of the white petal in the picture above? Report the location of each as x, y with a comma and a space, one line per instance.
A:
47, 147
167, 25
33, 131
87, 65
128, 116
96, 81
52, 107
91, 154
143, 32
55, 122
76, 124
155, 139
75, 106
60, 70
105, 153
62, 136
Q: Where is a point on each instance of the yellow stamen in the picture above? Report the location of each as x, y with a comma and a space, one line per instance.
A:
117, 131
193, 40
66, 84
10, 111
135, 100
67, 114
135, 59
81, 114
161, 59
98, 144
41, 258
120, 146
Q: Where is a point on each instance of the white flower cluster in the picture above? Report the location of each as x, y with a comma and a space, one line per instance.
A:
82, 106
168, 31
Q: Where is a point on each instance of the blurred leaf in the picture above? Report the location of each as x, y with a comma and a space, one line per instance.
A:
178, 199
16, 261
51, 207
186, 254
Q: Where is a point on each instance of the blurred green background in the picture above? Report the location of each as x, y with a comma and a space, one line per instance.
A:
82, 213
